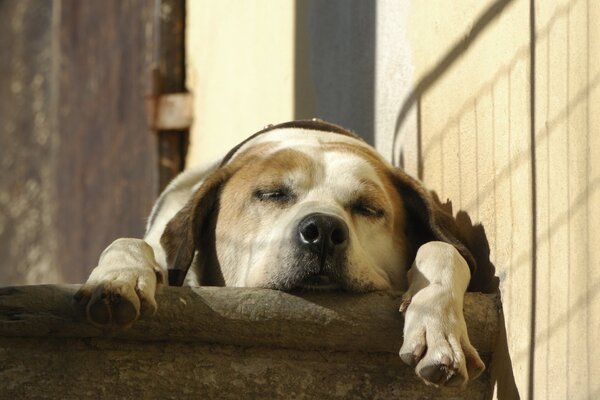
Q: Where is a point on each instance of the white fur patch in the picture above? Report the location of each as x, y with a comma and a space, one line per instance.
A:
434, 320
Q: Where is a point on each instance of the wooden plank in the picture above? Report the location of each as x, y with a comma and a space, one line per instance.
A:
106, 163
78, 164
223, 342
27, 221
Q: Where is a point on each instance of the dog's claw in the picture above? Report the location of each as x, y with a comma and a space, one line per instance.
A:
406, 298
435, 374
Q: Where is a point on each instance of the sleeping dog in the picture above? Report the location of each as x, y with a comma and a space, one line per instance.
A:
302, 205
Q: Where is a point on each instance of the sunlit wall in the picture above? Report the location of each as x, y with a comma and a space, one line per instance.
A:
493, 104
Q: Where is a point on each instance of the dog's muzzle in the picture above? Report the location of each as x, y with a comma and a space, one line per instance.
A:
325, 237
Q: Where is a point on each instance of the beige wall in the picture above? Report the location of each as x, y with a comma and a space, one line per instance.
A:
567, 146
506, 127
536, 193
240, 57
475, 140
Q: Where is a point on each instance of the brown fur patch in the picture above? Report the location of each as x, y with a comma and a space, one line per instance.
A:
425, 220
187, 230
254, 172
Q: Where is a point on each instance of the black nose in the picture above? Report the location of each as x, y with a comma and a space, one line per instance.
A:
323, 233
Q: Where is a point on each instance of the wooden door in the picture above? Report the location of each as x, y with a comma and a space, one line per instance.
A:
79, 165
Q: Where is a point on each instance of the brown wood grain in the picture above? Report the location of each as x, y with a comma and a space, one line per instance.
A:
78, 165
106, 178
27, 145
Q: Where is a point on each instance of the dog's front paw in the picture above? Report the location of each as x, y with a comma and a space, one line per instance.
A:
436, 341
122, 287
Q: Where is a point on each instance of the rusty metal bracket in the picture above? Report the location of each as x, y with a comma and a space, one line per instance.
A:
168, 112
169, 107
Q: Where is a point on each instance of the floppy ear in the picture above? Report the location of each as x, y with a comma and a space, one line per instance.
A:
190, 227
426, 220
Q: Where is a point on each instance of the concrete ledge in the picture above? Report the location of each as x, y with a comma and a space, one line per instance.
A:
222, 343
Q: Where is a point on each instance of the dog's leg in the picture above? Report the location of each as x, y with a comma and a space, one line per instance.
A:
122, 286
436, 341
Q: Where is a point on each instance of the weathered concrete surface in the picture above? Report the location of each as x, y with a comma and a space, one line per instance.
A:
222, 343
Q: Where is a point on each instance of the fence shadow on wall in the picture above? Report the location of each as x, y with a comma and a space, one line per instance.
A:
547, 132
485, 278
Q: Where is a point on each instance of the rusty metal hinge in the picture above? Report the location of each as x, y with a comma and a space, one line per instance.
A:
172, 111
168, 111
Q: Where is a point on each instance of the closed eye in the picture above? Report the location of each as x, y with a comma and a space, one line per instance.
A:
366, 210
276, 195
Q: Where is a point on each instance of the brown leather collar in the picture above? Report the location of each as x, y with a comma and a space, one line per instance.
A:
314, 124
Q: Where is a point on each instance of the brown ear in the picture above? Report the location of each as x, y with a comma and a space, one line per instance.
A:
187, 230
426, 220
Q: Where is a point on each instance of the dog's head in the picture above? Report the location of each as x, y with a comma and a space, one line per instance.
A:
305, 204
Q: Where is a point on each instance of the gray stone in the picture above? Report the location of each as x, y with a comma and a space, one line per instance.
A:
222, 343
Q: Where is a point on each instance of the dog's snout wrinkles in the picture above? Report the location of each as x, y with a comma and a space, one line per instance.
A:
323, 233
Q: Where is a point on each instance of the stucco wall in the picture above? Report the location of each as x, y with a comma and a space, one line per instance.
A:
472, 73
567, 176
494, 105
509, 131
240, 67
